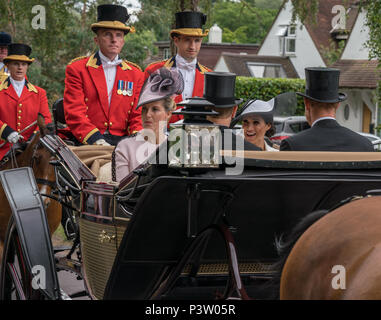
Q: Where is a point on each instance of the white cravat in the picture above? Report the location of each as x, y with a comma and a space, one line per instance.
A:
109, 68
18, 86
188, 71
1, 65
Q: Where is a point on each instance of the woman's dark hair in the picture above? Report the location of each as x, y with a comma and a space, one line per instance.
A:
269, 133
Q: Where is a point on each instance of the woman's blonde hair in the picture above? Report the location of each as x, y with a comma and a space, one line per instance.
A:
169, 104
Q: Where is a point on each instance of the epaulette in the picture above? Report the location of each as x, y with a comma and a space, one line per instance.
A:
151, 64
203, 68
134, 64
76, 59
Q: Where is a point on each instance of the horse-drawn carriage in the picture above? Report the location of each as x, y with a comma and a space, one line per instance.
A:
167, 232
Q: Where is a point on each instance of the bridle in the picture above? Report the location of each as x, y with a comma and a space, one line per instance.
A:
33, 161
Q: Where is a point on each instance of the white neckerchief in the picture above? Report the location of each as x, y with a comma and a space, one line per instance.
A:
109, 68
1, 65
188, 71
322, 118
18, 86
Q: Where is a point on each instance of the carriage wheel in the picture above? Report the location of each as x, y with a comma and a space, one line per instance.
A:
15, 278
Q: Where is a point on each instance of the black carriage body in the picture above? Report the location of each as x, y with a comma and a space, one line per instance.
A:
134, 234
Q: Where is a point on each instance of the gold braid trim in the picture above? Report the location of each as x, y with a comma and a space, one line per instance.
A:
131, 63
76, 59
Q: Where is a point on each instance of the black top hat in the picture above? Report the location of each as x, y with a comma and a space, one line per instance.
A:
190, 23
19, 52
111, 16
219, 89
322, 85
5, 39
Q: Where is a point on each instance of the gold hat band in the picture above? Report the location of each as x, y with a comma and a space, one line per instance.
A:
16, 57
193, 32
112, 25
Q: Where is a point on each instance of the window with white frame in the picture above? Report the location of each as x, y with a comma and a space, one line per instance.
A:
287, 39
266, 70
166, 53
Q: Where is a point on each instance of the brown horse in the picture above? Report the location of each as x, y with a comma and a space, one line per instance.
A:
335, 255
37, 157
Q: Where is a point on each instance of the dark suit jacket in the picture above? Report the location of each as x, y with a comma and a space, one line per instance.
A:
327, 135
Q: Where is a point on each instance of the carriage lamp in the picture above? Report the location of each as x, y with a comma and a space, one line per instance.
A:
195, 142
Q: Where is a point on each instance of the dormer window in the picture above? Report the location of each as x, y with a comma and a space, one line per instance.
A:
287, 39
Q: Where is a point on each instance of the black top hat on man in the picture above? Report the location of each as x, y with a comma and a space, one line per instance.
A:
322, 85
111, 16
219, 89
5, 39
19, 52
190, 23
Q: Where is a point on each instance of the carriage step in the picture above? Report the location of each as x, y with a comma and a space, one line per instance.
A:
61, 248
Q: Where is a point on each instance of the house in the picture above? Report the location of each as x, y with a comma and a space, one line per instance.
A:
359, 80
250, 65
309, 45
306, 44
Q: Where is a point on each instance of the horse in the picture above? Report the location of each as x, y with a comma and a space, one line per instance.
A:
334, 254
36, 156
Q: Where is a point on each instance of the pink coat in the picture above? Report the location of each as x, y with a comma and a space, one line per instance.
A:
131, 152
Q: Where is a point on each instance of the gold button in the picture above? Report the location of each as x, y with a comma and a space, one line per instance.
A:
110, 124
19, 117
20, 105
87, 108
19, 111
87, 116
132, 104
80, 138
19, 124
86, 99
129, 111
106, 124
18, 130
34, 132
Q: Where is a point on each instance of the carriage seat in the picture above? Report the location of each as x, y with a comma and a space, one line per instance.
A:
97, 159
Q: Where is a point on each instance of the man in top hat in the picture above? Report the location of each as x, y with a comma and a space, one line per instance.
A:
5, 41
20, 101
187, 37
220, 91
321, 101
101, 91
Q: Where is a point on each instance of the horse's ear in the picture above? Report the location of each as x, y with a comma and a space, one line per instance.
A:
41, 124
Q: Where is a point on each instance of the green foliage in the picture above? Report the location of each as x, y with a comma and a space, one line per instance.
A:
139, 45
266, 89
245, 23
332, 53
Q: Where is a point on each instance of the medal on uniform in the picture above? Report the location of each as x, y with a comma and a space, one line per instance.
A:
124, 88
130, 88
120, 85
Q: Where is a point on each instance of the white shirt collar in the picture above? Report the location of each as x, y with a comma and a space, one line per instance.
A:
105, 59
17, 85
322, 118
181, 60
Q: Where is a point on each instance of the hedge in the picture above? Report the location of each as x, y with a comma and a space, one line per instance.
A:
266, 89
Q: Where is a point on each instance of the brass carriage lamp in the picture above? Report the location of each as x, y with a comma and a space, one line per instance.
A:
195, 142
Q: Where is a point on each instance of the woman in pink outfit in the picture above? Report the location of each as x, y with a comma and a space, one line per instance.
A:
156, 100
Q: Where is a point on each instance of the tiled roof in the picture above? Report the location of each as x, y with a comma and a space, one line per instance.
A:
358, 73
319, 30
237, 63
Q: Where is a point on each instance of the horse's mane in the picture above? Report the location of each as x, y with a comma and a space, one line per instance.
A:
285, 245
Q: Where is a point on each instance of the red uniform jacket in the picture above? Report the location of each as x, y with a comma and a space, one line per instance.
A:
17, 113
87, 110
198, 87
